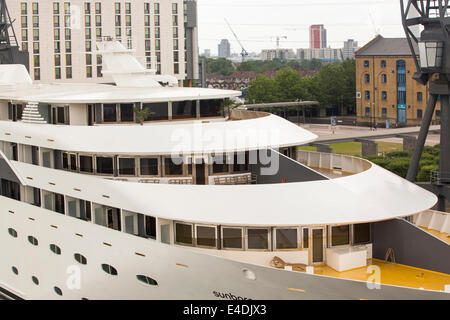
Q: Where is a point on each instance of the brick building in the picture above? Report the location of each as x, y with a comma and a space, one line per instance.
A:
385, 89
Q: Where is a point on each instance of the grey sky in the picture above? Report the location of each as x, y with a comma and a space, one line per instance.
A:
258, 22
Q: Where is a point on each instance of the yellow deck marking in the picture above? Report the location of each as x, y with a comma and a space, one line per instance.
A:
182, 265
294, 289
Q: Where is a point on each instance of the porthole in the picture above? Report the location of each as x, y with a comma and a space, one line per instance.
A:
33, 240
55, 249
35, 280
15, 271
12, 232
109, 269
58, 291
80, 258
147, 280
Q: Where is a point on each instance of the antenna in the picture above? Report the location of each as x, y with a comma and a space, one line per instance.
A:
244, 52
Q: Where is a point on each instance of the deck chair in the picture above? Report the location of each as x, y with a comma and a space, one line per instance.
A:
277, 262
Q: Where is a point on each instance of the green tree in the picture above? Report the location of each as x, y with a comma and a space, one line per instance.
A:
262, 90
289, 84
221, 65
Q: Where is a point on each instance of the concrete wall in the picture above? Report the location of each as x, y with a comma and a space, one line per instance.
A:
412, 246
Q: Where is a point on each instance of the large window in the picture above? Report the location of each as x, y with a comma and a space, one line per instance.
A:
105, 165
173, 166
127, 166
149, 167
183, 233
86, 164
361, 233
159, 111
184, 109
258, 239
241, 162
286, 239
109, 113
232, 238
126, 112
210, 108
206, 236
340, 235
220, 164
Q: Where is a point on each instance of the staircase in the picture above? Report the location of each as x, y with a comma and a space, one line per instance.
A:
31, 114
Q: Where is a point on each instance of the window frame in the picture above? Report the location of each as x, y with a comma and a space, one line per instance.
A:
330, 236
149, 157
192, 233
299, 238
243, 240
269, 239
215, 227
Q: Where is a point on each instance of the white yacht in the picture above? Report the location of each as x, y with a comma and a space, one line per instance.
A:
100, 200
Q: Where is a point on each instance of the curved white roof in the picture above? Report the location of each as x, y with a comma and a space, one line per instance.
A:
103, 93
373, 195
164, 138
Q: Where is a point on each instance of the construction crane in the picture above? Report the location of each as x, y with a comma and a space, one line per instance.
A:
278, 38
244, 52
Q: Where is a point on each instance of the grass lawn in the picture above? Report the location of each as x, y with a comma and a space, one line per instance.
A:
354, 148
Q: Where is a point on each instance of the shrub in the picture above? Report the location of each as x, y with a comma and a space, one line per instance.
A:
398, 154
398, 166
424, 173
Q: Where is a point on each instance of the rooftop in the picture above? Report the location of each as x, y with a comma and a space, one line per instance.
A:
381, 46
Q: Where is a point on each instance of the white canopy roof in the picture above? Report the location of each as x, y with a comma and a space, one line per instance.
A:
103, 93
375, 194
164, 138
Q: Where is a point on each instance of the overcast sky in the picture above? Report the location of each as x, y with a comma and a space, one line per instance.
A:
258, 22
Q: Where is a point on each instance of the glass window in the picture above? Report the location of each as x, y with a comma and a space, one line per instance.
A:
146, 8
383, 78
173, 166
23, 8
305, 238
258, 239
98, 8
419, 96
117, 7
109, 269
361, 233
65, 161
286, 239
127, 166
33, 240
15, 270
340, 235
419, 113
73, 162
126, 112
86, 164
232, 238
58, 291
12, 232
109, 113
210, 108
241, 162
35, 8
80, 258
55, 249
149, 166
87, 8
384, 112
367, 77
105, 165
183, 233
383, 63
35, 280
59, 203
159, 111
220, 164
127, 7
366, 63
147, 280
367, 95
206, 236
384, 95
184, 109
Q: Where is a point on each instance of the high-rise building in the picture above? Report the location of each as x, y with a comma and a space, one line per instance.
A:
324, 54
350, 47
317, 37
207, 53
224, 49
61, 36
280, 54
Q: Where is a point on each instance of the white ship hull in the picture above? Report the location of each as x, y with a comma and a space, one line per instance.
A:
180, 272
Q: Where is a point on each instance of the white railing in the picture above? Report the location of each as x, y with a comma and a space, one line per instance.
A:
333, 162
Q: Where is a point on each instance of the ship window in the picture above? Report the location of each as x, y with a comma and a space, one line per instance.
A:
127, 166
73, 162
80, 258
206, 236
59, 203
109, 113
220, 164
35, 280
240, 163
86, 164
361, 233
104, 165
232, 238
15, 270
147, 280
109, 269
305, 238
158, 111
150, 227
10, 189
286, 239
55, 249
210, 108
33, 240
340, 235
184, 109
12, 232
183, 233
65, 162
149, 166
126, 112
58, 291
173, 166
258, 239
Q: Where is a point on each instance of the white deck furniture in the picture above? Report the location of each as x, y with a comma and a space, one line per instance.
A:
346, 258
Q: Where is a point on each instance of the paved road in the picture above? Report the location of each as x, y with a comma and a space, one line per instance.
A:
346, 133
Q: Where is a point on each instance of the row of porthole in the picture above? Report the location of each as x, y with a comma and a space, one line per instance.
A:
82, 260
35, 280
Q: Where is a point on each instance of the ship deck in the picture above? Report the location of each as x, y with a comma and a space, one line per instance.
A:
392, 274
443, 236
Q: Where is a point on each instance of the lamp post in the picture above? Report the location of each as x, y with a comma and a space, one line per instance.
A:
427, 28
